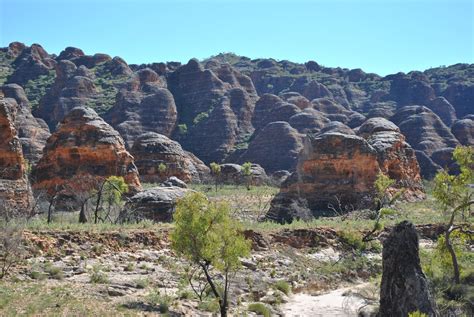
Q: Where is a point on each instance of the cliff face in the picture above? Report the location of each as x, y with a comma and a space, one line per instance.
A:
84, 145
15, 193
32, 132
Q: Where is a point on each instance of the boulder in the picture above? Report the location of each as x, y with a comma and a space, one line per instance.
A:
32, 132
157, 204
84, 145
174, 181
15, 192
463, 130
272, 153
404, 288
152, 149
232, 174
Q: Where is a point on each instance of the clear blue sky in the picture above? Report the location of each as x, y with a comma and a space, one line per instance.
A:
382, 36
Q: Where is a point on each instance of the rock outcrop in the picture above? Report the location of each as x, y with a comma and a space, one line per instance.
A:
30, 63
463, 130
275, 147
270, 108
443, 109
334, 169
404, 288
423, 129
144, 106
396, 158
15, 192
215, 107
336, 172
84, 145
152, 149
32, 132
156, 204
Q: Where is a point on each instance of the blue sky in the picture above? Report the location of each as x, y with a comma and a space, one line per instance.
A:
382, 36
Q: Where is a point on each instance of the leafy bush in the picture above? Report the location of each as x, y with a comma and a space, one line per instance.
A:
260, 309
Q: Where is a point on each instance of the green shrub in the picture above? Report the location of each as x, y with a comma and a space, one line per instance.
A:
37, 275
200, 117
130, 267
353, 239
55, 272
142, 283
260, 309
163, 301
98, 276
282, 286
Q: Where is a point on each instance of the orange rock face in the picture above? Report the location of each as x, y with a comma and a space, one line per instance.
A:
83, 146
15, 193
336, 172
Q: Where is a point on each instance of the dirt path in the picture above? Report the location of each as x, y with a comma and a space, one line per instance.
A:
337, 303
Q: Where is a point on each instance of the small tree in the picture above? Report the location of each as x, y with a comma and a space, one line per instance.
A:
455, 196
247, 172
383, 200
216, 172
210, 239
110, 192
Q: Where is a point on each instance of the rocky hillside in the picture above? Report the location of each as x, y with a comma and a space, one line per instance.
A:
231, 109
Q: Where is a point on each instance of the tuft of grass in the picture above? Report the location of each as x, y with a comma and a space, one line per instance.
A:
260, 309
163, 301
130, 267
98, 276
282, 286
142, 283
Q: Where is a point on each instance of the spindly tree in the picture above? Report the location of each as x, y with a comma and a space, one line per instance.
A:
455, 195
211, 240
216, 172
247, 172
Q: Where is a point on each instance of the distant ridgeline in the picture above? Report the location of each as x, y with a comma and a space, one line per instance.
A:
231, 109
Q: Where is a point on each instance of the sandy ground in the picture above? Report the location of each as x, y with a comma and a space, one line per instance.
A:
336, 303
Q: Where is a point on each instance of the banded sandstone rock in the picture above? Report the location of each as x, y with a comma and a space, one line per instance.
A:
152, 149
84, 146
15, 192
